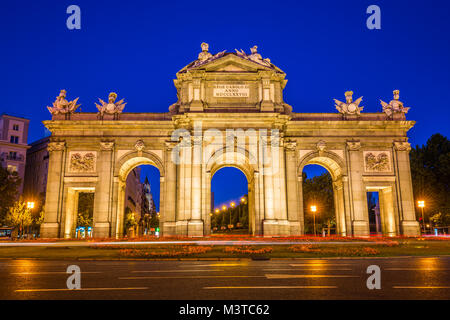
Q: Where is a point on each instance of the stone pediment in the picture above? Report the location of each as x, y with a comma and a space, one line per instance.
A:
230, 82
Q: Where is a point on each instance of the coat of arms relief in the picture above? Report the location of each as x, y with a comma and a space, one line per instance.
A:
81, 162
377, 161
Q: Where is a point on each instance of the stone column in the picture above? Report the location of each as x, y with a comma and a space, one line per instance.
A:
53, 201
269, 223
103, 191
358, 194
170, 193
338, 189
195, 225
292, 193
408, 222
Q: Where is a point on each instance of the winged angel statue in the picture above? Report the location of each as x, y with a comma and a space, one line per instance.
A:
350, 106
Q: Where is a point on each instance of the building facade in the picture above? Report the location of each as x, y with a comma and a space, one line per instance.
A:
231, 112
36, 171
13, 145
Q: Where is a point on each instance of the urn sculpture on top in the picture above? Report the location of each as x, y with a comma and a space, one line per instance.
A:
112, 107
62, 106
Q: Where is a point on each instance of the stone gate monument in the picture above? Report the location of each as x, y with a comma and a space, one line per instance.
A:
230, 112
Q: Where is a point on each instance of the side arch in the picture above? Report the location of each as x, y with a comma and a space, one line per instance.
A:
122, 168
337, 168
136, 158
334, 164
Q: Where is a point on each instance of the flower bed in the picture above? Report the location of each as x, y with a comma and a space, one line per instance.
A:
167, 252
247, 250
339, 251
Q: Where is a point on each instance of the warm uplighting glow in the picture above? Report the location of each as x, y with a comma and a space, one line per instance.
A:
232, 204
421, 203
30, 205
217, 210
313, 208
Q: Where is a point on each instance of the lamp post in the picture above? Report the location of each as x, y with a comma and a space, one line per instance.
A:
313, 210
421, 205
232, 204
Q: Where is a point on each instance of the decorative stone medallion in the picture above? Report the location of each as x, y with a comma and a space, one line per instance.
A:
82, 161
377, 161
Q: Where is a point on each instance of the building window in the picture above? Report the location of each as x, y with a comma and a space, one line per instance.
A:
16, 127
12, 155
12, 168
14, 139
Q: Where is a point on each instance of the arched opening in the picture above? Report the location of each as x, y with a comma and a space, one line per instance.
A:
141, 204
229, 202
138, 211
318, 201
323, 194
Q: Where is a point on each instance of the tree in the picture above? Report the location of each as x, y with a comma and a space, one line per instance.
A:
19, 216
9, 183
430, 173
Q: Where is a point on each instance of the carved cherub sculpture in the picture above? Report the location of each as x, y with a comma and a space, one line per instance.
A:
111, 107
62, 106
350, 106
395, 106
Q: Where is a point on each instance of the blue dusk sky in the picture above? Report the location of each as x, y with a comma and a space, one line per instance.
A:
135, 48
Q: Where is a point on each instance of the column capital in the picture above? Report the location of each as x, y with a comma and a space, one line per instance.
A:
106, 145
402, 146
56, 146
290, 145
353, 145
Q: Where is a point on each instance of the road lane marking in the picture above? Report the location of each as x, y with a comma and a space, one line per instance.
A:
49, 272
217, 265
187, 277
293, 276
420, 287
316, 269
415, 269
82, 289
275, 287
168, 271
318, 264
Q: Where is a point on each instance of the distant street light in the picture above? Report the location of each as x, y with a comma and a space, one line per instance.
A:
421, 204
313, 210
224, 207
217, 210
30, 205
232, 204
242, 199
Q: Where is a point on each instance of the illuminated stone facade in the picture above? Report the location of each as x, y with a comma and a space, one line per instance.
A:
230, 112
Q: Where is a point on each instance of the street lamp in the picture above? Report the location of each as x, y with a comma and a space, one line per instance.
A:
30, 205
232, 204
217, 210
224, 207
421, 204
313, 210
242, 199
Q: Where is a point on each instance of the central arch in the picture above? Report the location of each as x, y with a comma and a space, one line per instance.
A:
240, 159
337, 169
124, 166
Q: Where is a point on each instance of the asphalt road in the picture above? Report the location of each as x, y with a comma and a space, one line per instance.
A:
401, 278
